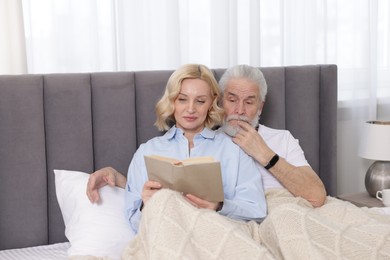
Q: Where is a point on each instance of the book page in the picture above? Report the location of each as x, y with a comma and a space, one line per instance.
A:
197, 176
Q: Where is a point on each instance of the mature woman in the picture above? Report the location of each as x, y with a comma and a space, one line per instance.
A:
188, 110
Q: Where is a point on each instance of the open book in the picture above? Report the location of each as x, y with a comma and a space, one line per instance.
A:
200, 176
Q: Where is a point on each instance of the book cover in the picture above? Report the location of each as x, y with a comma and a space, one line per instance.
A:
199, 176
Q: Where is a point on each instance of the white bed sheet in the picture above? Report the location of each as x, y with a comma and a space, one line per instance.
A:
55, 251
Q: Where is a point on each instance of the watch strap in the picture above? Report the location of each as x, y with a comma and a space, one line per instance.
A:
272, 162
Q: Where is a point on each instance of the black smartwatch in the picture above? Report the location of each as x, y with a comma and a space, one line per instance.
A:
272, 162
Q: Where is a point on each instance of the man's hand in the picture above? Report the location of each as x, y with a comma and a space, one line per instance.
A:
201, 203
300, 181
150, 187
252, 143
99, 179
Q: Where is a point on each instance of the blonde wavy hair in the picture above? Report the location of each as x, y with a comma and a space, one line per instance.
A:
165, 106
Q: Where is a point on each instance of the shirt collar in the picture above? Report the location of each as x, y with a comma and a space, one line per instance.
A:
206, 133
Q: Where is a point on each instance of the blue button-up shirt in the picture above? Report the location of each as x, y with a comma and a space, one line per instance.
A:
242, 184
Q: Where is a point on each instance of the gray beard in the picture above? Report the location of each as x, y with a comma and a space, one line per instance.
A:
233, 130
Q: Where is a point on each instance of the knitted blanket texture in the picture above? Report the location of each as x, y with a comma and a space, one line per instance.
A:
171, 228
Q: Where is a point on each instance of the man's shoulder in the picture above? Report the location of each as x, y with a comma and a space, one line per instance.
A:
268, 132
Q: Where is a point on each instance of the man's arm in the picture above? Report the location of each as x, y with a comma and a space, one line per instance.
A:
100, 178
300, 181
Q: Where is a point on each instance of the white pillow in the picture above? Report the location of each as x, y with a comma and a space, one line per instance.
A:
92, 229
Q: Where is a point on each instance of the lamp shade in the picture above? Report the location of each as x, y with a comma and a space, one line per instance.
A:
375, 141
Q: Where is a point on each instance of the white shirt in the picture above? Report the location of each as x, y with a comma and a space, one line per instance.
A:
285, 145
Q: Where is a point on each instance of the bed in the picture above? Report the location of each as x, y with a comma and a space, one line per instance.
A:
82, 122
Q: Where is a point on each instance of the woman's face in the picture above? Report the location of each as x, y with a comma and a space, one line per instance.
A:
192, 105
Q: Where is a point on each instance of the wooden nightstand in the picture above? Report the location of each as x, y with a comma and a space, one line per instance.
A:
362, 199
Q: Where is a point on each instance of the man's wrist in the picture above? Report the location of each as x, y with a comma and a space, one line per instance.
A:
272, 162
115, 178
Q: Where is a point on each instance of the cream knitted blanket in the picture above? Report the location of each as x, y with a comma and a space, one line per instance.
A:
171, 228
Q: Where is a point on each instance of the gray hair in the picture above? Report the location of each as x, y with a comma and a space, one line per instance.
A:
247, 72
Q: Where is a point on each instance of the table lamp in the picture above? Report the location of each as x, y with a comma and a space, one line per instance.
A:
375, 145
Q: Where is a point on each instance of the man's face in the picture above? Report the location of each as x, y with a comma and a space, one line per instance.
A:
241, 102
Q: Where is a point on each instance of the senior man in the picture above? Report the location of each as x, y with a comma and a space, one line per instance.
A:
284, 164
244, 91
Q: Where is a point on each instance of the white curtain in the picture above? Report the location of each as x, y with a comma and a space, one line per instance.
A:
12, 48
102, 35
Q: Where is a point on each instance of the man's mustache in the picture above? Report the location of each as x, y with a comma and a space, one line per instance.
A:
237, 117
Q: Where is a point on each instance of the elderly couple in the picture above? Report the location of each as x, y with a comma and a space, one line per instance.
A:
253, 157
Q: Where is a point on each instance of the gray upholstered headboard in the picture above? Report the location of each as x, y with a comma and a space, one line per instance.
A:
88, 121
